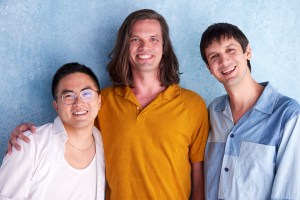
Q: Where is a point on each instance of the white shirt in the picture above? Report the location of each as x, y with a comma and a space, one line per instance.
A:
77, 183
28, 174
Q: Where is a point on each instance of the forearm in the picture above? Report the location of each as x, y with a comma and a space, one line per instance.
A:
197, 181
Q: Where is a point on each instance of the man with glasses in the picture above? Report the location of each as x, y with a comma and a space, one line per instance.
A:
65, 159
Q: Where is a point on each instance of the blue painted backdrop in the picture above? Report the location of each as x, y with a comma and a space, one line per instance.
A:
38, 36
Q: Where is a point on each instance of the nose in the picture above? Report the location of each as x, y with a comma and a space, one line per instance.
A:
144, 44
77, 99
223, 59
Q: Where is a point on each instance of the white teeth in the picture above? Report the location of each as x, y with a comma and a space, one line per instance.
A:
80, 112
144, 56
228, 70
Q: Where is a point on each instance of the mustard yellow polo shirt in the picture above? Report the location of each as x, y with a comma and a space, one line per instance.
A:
149, 151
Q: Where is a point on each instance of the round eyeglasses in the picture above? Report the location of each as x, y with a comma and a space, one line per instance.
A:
85, 95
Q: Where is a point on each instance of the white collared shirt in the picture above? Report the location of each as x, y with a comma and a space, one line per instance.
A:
28, 174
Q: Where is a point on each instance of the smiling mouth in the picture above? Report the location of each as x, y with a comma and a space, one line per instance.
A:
229, 70
80, 113
144, 56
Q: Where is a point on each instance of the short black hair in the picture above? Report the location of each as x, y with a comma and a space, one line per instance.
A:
217, 31
71, 68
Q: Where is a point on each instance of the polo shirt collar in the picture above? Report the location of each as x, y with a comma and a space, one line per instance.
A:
170, 93
126, 93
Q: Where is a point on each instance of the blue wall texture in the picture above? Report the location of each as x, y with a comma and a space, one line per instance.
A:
38, 36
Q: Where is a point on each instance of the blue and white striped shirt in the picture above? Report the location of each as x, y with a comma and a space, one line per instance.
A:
259, 156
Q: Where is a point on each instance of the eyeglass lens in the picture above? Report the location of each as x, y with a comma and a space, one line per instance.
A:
85, 95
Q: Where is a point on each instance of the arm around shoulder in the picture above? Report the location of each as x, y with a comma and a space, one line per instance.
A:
18, 132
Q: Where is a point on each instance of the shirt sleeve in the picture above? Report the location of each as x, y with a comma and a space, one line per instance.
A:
16, 172
199, 119
287, 178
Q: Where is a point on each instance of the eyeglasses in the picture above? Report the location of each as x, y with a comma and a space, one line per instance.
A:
86, 95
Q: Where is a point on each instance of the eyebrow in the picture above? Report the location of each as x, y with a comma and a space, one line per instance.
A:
150, 36
229, 45
66, 90
210, 54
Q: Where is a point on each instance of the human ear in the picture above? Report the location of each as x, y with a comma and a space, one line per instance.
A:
55, 106
208, 67
248, 52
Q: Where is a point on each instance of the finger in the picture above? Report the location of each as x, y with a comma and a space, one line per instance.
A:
25, 127
23, 137
13, 140
9, 148
18, 133
30, 126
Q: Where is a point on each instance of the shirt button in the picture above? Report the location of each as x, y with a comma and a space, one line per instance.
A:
232, 135
226, 169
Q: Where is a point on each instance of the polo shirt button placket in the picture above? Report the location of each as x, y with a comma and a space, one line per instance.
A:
138, 110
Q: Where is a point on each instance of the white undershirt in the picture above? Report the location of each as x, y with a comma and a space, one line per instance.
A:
73, 184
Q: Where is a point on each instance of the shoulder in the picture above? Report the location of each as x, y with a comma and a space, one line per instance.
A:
287, 106
39, 142
43, 133
191, 97
112, 90
288, 102
110, 95
218, 103
275, 103
193, 104
107, 90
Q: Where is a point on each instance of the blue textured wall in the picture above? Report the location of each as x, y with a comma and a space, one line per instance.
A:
38, 36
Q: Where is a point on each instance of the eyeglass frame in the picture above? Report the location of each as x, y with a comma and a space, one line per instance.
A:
75, 96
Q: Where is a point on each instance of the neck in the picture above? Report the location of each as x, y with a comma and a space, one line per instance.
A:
145, 78
80, 137
146, 90
243, 97
80, 147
